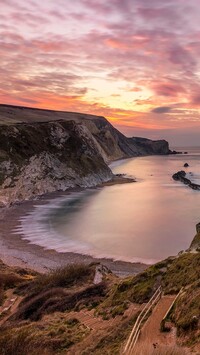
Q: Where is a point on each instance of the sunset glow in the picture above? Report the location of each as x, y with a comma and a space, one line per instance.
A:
135, 62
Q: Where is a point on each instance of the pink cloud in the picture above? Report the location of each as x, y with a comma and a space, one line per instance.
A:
51, 54
168, 89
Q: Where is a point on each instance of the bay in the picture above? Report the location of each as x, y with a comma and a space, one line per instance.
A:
145, 221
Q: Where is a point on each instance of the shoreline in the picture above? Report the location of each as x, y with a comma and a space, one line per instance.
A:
16, 251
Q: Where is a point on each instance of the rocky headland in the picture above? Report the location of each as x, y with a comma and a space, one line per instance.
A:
42, 151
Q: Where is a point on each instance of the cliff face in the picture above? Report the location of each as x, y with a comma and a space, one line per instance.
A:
43, 157
43, 151
114, 145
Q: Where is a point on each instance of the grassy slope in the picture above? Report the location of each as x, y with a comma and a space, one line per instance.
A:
43, 315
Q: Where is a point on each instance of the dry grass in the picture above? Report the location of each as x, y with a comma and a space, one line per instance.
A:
2, 295
148, 349
59, 300
71, 288
10, 280
20, 344
53, 335
11, 277
64, 277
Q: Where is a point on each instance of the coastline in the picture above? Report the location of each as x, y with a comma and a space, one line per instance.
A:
16, 251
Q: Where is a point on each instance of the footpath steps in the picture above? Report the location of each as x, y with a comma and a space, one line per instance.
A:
98, 326
151, 330
96, 322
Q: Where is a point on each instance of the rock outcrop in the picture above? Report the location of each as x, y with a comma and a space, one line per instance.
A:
195, 245
181, 176
43, 151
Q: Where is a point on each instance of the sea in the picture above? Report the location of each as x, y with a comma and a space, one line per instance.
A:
145, 221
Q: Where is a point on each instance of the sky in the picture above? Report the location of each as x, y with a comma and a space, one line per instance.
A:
136, 62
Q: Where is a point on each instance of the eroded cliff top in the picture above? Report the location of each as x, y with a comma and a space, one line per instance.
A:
10, 114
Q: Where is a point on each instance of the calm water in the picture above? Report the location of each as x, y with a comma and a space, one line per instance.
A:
146, 221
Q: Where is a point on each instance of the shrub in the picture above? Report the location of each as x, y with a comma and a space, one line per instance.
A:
58, 300
10, 280
20, 343
1, 295
65, 277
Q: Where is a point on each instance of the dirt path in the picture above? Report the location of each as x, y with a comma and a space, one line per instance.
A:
9, 306
151, 330
99, 327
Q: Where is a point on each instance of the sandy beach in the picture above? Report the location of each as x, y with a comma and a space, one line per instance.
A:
19, 252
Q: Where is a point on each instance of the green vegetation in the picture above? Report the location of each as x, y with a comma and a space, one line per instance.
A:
186, 314
171, 274
183, 271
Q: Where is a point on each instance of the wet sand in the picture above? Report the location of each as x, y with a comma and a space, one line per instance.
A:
18, 252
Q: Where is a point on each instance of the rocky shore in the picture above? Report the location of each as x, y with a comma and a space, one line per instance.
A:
181, 176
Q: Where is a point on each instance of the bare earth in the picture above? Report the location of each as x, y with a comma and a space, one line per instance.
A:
151, 334
151, 330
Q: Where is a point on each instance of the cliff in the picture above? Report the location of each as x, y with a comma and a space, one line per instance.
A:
43, 151
37, 158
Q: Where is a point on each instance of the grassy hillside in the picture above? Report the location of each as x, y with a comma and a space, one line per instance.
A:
54, 307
